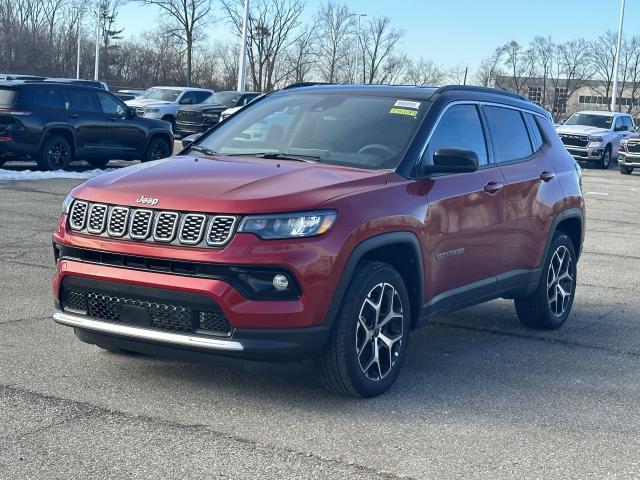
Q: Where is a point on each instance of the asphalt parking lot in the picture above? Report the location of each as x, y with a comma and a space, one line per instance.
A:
480, 395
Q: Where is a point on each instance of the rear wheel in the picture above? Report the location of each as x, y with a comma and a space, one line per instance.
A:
548, 307
369, 339
56, 154
626, 170
98, 162
157, 149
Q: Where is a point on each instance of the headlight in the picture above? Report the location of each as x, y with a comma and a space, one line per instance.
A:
289, 225
151, 110
596, 139
66, 205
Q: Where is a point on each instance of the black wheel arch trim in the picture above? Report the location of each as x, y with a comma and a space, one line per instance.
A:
47, 132
164, 134
366, 246
569, 213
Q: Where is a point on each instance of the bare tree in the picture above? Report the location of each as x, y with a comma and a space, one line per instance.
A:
379, 43
520, 64
489, 70
335, 25
273, 28
632, 72
424, 73
189, 16
458, 74
302, 56
602, 57
544, 51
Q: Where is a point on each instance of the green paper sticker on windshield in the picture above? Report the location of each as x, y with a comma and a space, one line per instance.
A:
403, 111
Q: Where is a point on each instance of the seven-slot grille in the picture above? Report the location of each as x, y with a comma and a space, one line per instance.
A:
196, 229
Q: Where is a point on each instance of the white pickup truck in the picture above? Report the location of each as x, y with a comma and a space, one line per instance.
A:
163, 102
595, 136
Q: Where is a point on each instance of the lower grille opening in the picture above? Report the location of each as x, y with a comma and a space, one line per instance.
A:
132, 310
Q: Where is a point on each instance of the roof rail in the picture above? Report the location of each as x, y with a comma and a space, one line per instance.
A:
304, 84
471, 88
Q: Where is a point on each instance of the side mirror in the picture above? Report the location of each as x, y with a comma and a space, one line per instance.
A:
131, 112
452, 160
622, 128
186, 141
186, 101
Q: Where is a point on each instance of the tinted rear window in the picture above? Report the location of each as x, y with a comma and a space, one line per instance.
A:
8, 97
509, 134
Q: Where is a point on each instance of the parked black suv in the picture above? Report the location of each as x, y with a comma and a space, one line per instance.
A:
199, 118
55, 123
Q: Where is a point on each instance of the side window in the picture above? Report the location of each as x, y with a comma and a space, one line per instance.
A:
202, 96
509, 134
534, 130
618, 124
459, 127
46, 97
188, 98
81, 100
626, 120
110, 105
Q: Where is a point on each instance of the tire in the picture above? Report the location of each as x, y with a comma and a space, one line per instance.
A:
2, 161
606, 158
98, 162
623, 170
540, 311
342, 370
55, 154
157, 149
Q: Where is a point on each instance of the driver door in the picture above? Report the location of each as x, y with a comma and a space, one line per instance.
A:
123, 134
465, 215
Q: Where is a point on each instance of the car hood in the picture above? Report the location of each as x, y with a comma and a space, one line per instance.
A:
147, 102
582, 130
236, 185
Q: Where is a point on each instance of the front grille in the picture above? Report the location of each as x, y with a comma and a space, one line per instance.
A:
219, 229
165, 227
78, 215
140, 311
633, 147
574, 140
97, 218
118, 221
185, 116
193, 229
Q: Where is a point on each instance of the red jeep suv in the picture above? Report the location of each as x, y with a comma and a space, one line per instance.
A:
326, 222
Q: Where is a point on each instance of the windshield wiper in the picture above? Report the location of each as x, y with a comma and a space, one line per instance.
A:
201, 149
286, 156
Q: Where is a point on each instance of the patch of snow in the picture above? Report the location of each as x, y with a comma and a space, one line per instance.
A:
37, 175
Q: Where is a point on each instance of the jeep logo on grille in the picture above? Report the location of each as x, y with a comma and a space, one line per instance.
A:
147, 200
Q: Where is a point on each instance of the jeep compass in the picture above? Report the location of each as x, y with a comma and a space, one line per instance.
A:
326, 223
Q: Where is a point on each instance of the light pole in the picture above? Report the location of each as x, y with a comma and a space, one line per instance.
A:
97, 65
79, 12
242, 63
616, 63
359, 15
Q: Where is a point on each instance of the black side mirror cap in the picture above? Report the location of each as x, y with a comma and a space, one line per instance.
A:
452, 160
131, 112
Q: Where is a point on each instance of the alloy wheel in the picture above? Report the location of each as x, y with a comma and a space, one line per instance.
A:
158, 151
379, 331
560, 281
57, 155
606, 159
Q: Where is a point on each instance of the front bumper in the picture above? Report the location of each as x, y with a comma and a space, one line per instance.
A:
629, 160
584, 154
186, 129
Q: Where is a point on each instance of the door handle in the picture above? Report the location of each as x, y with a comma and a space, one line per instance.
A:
112, 119
73, 115
546, 176
493, 187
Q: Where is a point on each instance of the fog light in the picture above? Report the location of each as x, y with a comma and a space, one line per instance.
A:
280, 282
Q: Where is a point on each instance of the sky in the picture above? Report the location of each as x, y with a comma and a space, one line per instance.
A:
452, 32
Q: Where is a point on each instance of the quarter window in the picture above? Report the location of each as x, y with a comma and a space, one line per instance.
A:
509, 134
534, 129
459, 127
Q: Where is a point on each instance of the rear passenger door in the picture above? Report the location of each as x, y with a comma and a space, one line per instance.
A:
465, 214
87, 120
531, 188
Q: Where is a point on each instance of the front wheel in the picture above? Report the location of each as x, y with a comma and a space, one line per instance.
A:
606, 158
157, 149
56, 154
548, 307
369, 339
626, 170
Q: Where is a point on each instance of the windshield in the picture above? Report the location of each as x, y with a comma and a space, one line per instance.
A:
165, 94
360, 131
591, 120
228, 99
